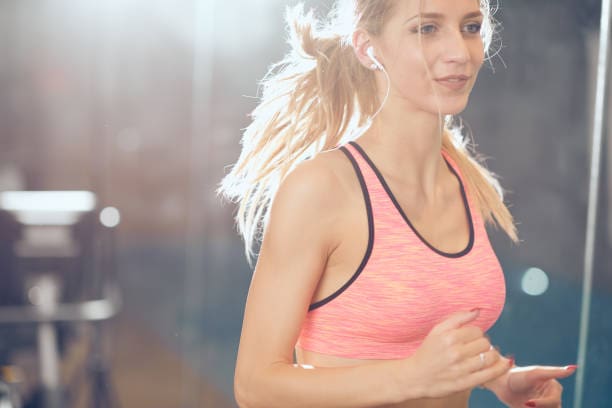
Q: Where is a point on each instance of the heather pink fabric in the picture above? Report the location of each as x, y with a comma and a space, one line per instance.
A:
405, 287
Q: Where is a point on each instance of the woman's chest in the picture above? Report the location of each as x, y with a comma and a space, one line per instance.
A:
399, 297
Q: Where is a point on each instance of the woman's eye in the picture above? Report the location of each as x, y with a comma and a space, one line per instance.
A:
473, 28
428, 29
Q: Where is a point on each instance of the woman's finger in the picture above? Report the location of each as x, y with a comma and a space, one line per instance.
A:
482, 360
550, 397
540, 404
468, 334
456, 320
548, 402
487, 374
523, 378
480, 345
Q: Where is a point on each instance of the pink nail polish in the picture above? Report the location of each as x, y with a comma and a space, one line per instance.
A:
571, 367
530, 404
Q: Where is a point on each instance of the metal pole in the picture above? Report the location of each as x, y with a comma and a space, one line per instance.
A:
589, 251
200, 158
48, 352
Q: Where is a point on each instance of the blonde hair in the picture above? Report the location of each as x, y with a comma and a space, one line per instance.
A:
311, 102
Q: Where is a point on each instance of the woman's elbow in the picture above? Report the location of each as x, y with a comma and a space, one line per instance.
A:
244, 391
240, 394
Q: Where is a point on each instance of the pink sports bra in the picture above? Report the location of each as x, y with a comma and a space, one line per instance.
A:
403, 286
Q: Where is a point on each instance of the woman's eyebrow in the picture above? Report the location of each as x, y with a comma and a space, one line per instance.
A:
441, 16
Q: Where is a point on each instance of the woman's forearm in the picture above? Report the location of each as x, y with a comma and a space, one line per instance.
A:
369, 385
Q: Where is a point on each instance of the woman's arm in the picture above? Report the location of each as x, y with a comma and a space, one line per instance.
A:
303, 229
301, 233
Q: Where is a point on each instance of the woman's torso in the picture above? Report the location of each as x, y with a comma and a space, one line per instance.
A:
444, 225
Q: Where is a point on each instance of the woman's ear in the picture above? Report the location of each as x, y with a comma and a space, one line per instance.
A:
361, 43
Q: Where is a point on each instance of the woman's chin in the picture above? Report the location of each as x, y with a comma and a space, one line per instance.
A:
454, 108
449, 106
455, 111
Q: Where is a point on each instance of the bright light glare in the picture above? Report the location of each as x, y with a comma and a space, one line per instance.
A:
47, 217
110, 217
47, 201
47, 207
535, 282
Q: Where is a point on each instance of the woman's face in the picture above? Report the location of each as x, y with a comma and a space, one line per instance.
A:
452, 51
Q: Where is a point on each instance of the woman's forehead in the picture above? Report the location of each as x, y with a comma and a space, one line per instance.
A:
409, 8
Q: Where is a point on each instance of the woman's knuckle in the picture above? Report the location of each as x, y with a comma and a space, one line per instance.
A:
450, 339
488, 362
454, 356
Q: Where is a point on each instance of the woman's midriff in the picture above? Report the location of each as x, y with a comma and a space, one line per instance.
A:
459, 400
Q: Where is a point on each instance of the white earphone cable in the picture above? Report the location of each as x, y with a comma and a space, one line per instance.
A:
384, 101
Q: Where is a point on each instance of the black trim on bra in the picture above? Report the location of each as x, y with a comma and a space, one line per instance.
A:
466, 205
368, 252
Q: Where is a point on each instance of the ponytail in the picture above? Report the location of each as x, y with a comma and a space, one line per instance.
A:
308, 103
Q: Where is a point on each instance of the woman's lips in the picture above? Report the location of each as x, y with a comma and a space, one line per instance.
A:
454, 82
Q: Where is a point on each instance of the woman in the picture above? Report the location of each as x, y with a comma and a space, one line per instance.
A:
375, 281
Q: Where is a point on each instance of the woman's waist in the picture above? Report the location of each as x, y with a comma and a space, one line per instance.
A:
458, 400
316, 359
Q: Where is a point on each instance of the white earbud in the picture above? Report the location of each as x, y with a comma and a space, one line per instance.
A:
376, 64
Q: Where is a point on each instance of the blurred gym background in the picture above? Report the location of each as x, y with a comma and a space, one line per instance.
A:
122, 279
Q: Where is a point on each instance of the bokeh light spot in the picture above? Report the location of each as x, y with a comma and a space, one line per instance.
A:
110, 217
535, 282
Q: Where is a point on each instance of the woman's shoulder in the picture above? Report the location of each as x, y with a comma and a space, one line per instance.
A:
328, 173
313, 199
323, 182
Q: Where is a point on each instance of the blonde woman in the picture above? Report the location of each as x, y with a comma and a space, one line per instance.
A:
375, 281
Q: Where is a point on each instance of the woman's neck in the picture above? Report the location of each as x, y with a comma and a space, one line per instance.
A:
406, 147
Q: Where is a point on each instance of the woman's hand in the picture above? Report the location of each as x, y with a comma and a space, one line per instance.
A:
532, 386
455, 357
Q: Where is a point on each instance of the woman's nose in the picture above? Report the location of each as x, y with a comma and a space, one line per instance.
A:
455, 48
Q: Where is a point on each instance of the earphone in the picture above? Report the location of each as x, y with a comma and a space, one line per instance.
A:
376, 64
